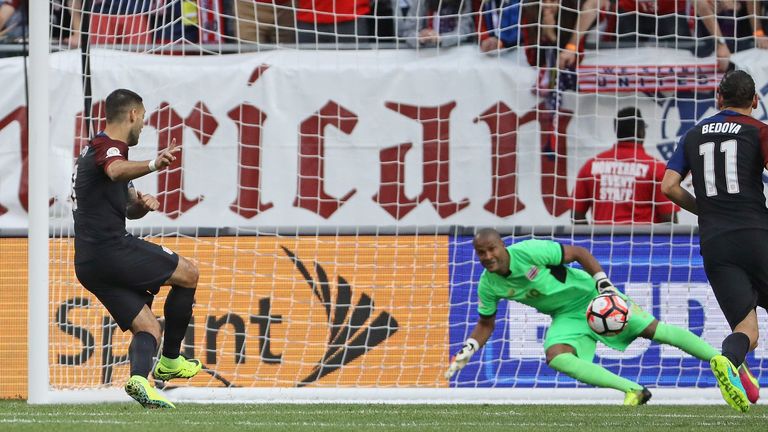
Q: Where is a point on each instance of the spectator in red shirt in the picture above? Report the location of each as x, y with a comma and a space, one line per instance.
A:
332, 21
623, 184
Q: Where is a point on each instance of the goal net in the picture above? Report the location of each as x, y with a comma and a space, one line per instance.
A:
337, 158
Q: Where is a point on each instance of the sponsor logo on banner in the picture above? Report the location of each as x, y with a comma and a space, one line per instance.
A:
665, 277
269, 312
349, 336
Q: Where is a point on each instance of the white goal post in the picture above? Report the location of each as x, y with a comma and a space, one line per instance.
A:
329, 194
38, 381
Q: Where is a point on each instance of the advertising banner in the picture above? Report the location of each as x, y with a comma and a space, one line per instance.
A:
330, 138
269, 312
662, 274
361, 311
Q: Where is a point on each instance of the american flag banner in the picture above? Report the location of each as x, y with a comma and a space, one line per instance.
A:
647, 78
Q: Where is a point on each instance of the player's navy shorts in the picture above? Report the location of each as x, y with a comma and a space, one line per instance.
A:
126, 275
736, 264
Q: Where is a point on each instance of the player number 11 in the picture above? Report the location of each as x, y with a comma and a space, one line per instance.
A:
731, 174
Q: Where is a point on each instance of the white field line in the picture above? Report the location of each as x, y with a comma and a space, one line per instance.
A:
346, 411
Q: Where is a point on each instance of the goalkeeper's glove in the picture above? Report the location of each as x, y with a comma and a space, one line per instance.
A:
603, 284
462, 357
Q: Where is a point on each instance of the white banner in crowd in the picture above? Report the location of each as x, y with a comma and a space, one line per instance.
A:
302, 138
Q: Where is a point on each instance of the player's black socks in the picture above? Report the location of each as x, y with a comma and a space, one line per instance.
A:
143, 347
735, 347
178, 312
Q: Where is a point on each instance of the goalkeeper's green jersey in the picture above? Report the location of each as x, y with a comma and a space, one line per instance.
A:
538, 279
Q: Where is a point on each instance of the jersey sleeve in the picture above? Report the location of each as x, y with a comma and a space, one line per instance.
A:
763, 137
107, 152
679, 162
487, 301
582, 192
539, 252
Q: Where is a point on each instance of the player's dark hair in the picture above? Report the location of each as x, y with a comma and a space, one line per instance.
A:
120, 102
737, 89
629, 123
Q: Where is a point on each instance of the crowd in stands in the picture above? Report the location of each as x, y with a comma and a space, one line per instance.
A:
552, 30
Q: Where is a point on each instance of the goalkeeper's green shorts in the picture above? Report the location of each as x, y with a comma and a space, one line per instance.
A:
571, 328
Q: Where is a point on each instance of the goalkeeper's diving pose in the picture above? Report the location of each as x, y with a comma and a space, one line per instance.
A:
122, 271
533, 272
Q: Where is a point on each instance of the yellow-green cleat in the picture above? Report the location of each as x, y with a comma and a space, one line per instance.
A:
138, 388
179, 367
730, 384
637, 397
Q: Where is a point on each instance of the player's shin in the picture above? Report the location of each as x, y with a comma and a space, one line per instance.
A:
590, 373
685, 340
141, 351
178, 312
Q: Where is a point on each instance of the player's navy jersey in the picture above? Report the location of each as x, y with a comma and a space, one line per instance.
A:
725, 154
99, 204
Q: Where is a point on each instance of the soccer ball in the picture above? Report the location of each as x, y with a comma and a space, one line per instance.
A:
608, 314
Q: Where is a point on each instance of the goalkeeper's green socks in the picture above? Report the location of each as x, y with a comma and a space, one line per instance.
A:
685, 340
590, 373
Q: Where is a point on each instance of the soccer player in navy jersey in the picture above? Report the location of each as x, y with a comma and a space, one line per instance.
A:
725, 155
122, 271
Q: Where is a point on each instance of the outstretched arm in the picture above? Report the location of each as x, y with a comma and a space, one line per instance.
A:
587, 17
75, 11
707, 11
125, 170
478, 338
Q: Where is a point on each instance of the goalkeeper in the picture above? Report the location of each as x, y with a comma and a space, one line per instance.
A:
533, 272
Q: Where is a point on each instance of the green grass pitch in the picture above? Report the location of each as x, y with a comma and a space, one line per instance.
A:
190, 417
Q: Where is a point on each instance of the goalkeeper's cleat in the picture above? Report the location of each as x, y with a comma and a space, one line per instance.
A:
637, 397
750, 383
138, 388
730, 384
180, 367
